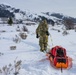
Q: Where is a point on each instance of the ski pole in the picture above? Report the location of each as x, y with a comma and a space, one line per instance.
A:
51, 39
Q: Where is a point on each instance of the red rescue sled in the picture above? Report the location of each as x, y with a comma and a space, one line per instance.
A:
58, 58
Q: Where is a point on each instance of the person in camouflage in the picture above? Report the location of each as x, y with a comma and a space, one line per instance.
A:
42, 33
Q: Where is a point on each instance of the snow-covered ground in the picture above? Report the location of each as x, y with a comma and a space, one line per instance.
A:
28, 51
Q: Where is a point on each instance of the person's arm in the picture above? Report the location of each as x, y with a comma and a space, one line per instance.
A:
46, 29
37, 31
47, 33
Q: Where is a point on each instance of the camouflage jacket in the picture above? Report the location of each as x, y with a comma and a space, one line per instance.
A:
42, 28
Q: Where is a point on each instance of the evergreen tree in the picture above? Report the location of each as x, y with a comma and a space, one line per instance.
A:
10, 21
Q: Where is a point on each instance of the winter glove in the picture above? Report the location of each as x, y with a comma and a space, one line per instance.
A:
37, 36
47, 33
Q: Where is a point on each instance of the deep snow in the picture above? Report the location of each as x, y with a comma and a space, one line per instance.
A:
28, 50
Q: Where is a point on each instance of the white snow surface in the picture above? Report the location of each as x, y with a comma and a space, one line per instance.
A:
28, 50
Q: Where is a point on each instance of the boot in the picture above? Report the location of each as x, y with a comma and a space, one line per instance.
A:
45, 48
41, 50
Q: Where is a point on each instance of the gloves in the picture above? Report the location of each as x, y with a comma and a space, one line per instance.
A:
47, 33
37, 36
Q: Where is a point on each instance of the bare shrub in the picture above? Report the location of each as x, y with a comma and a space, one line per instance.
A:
65, 33
75, 28
23, 35
12, 47
58, 30
18, 28
0, 71
69, 24
16, 39
17, 66
11, 69
2, 31
1, 54
25, 29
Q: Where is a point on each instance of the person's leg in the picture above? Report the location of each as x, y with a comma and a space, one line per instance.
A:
42, 47
45, 46
41, 44
45, 42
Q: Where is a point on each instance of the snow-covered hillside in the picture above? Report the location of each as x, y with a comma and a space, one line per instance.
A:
66, 7
28, 51
18, 14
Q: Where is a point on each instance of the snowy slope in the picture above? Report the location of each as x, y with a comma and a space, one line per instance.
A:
28, 51
67, 7
19, 14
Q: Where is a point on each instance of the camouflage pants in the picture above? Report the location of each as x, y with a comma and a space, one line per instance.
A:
43, 42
